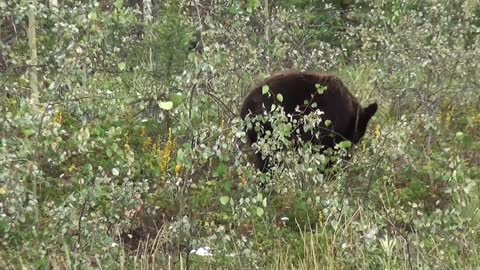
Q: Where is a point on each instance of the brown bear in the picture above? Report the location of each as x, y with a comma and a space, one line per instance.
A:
300, 93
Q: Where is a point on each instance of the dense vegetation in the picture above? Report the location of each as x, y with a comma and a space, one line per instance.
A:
121, 144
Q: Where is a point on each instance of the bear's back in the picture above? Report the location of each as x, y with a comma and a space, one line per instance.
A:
337, 103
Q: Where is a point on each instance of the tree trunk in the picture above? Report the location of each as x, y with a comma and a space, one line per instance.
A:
35, 94
147, 16
266, 24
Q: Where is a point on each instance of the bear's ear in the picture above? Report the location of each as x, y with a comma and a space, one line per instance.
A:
369, 111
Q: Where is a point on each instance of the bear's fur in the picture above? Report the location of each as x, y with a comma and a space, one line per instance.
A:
348, 119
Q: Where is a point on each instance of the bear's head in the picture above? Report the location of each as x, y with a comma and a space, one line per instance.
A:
359, 122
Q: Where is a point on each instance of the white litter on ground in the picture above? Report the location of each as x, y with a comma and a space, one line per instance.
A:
202, 251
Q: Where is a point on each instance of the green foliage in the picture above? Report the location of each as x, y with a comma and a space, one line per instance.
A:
135, 155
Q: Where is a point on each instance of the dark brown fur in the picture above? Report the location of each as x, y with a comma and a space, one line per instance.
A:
349, 119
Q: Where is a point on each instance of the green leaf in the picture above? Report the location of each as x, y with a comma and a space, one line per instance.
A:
467, 140
273, 108
280, 97
320, 89
260, 211
265, 89
121, 66
262, 76
180, 156
28, 132
210, 183
240, 134
88, 167
221, 170
92, 15
224, 200
165, 105
118, 4
228, 186
253, 5
345, 144
177, 99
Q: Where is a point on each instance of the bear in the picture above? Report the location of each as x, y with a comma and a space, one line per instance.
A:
302, 93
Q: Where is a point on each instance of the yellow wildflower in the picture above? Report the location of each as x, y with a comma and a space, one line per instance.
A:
244, 180
165, 156
476, 118
448, 119
148, 143
178, 169
127, 136
59, 118
143, 131
377, 132
321, 218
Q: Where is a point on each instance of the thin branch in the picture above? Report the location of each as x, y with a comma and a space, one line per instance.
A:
219, 101
200, 23
82, 213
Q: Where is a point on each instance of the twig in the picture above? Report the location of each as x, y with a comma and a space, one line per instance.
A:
82, 212
220, 102
200, 24
192, 91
